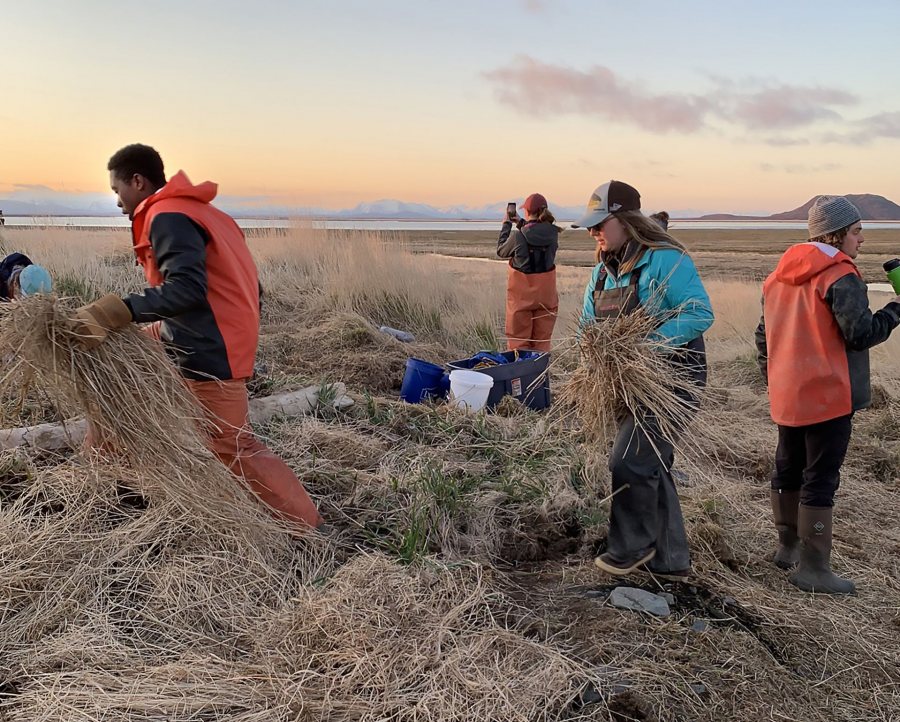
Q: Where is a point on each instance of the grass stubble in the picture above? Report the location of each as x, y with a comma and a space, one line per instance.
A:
141, 584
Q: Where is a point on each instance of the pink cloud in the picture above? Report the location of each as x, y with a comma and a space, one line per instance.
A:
866, 130
540, 89
788, 106
780, 141
799, 168
883, 125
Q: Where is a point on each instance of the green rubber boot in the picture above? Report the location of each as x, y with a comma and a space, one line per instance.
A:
784, 510
814, 571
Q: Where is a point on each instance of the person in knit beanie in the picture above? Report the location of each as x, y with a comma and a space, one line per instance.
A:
812, 348
830, 220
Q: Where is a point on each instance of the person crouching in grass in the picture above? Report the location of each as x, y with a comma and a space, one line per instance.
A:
21, 277
812, 344
640, 266
203, 301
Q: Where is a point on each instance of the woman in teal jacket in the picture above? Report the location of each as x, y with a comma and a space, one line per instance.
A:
641, 265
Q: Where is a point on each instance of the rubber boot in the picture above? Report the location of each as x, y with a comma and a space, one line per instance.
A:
784, 511
814, 572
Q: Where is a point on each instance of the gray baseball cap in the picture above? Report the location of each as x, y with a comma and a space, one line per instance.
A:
607, 199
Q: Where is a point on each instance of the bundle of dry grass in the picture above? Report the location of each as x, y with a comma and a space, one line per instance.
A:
623, 369
138, 407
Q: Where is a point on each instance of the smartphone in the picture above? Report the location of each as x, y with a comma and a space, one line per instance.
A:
511, 211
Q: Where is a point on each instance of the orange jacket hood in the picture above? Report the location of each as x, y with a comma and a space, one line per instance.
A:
180, 186
804, 261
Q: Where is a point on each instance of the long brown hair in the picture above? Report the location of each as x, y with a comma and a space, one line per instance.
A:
545, 216
646, 233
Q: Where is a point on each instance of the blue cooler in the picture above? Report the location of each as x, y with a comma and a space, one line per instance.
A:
523, 376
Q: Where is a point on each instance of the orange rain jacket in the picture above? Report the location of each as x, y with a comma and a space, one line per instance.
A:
204, 284
814, 336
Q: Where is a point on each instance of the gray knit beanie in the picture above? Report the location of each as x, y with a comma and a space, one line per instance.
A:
831, 213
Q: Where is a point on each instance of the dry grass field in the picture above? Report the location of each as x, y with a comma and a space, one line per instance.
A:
461, 584
719, 253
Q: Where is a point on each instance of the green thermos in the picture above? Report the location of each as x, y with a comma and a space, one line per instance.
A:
892, 268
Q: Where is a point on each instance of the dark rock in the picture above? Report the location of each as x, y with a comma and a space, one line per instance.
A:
699, 625
589, 695
639, 600
622, 686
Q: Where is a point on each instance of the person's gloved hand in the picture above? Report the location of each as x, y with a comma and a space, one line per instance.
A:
94, 321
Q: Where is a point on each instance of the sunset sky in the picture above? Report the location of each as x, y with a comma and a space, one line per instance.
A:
705, 105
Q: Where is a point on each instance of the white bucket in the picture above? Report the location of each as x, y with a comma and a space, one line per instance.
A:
469, 389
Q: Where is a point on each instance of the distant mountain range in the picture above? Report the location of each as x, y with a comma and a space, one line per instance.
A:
45, 202
380, 209
66, 206
871, 207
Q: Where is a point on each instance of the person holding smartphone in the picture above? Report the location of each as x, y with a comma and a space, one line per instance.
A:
532, 302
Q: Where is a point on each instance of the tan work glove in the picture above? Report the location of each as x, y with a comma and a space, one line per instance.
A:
94, 321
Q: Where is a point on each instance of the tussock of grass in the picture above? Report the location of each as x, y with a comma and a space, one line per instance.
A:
419, 481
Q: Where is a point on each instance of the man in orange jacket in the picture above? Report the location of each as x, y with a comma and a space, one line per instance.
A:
203, 299
813, 343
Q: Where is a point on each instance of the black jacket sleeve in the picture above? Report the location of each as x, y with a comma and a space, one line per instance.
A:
506, 243
762, 349
860, 327
180, 250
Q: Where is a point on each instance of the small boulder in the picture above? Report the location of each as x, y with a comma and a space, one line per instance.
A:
639, 600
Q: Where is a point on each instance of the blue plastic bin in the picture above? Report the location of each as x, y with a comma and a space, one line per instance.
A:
423, 380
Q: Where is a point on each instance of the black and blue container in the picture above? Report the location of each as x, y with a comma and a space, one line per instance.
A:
520, 374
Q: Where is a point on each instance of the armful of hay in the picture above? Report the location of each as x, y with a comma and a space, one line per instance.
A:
623, 370
127, 388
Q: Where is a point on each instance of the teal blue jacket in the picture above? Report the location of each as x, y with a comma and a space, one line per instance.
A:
668, 286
